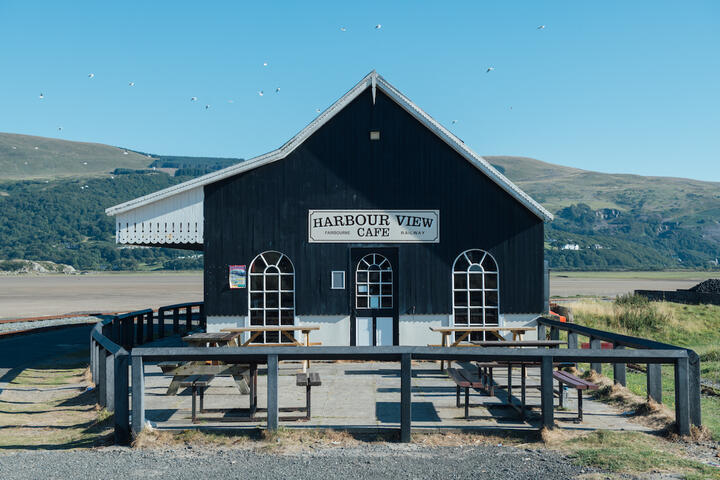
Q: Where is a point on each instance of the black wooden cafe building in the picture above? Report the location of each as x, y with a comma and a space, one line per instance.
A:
374, 222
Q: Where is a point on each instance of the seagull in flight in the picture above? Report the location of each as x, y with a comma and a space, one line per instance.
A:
59, 129
131, 84
454, 122
541, 27
343, 29
490, 69
207, 107
277, 90
91, 75
261, 93
265, 64
41, 96
317, 110
193, 99
378, 26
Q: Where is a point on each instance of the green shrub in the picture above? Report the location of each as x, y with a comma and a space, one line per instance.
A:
637, 314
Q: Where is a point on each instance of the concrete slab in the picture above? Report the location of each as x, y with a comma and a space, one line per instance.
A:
366, 395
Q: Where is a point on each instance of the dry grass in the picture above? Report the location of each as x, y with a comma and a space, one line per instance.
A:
647, 412
293, 440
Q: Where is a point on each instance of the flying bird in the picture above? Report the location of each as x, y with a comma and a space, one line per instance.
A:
207, 107
91, 75
193, 99
378, 26
41, 96
261, 93
317, 110
131, 84
59, 129
265, 64
454, 122
277, 90
343, 29
541, 27
490, 69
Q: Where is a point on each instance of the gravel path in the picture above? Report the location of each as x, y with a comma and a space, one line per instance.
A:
16, 326
367, 461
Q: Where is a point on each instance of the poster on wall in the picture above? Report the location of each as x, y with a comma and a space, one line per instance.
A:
237, 276
373, 226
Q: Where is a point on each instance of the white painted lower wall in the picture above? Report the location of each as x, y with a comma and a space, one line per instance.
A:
334, 330
414, 329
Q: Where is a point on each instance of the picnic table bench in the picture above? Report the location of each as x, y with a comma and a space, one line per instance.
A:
198, 383
577, 383
467, 379
308, 380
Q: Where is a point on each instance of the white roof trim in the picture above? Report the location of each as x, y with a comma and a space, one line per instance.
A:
371, 80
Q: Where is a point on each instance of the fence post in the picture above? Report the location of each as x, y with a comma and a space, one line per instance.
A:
109, 386
546, 391
188, 319
541, 332
203, 318
272, 393
150, 327
682, 397
654, 382
139, 330
554, 333
572, 340
122, 407
93, 359
596, 344
138, 395
619, 370
161, 322
694, 386
101, 383
176, 320
405, 397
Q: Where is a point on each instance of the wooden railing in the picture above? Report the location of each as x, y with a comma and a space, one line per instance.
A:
111, 341
552, 328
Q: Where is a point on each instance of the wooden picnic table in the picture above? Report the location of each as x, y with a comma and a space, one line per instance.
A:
511, 343
446, 332
211, 339
517, 333
285, 331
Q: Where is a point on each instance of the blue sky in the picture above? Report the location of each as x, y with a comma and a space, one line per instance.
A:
613, 86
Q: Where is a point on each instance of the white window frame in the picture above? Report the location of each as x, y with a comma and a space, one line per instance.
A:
468, 290
376, 260
332, 280
265, 292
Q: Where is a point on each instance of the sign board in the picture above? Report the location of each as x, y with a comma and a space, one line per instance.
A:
373, 226
237, 276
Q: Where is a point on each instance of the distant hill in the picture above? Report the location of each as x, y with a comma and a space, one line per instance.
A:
620, 220
28, 157
52, 208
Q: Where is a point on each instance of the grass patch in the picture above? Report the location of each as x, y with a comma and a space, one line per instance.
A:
690, 326
50, 408
633, 452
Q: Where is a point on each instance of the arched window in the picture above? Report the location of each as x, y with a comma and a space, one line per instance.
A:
272, 294
475, 291
374, 282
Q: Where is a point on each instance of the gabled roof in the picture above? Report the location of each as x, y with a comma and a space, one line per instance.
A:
374, 81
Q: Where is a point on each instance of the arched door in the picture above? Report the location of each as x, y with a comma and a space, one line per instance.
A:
375, 319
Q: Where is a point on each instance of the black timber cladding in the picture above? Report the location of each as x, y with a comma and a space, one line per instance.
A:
339, 167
